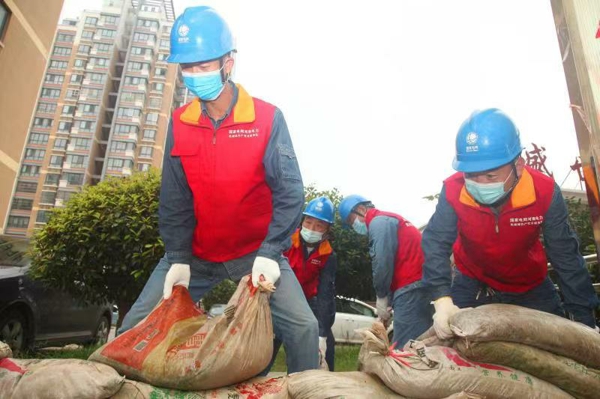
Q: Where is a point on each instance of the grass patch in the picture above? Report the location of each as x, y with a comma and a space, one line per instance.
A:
346, 359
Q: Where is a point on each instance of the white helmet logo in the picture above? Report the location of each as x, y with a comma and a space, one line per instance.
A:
472, 138
183, 30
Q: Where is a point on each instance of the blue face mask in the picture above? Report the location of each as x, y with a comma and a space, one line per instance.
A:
207, 86
486, 193
359, 227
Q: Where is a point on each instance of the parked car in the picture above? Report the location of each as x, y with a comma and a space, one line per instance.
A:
32, 314
352, 314
216, 310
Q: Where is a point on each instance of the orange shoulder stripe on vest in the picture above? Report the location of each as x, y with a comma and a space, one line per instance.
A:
325, 248
522, 195
296, 239
243, 111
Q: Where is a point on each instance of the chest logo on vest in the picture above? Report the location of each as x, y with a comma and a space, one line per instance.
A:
243, 133
315, 261
526, 221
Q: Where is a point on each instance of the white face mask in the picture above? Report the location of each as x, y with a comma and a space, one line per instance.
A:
310, 236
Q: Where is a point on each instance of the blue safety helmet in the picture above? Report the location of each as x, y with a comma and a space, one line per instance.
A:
198, 35
487, 140
320, 208
348, 204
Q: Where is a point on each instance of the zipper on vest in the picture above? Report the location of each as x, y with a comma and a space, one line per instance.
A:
496, 217
214, 140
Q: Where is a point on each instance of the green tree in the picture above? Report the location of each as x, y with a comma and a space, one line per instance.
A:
104, 244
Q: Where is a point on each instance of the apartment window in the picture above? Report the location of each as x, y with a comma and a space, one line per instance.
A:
91, 21
143, 167
42, 122
86, 126
101, 62
134, 81
62, 37
4, 16
118, 164
18, 221
141, 51
162, 56
146, 152
144, 37
73, 94
128, 113
68, 110
138, 66
131, 97
22, 204
42, 216
146, 23
84, 49
58, 64
55, 79
64, 195
60, 144
96, 77
152, 118
76, 78
76, 161
33, 154
82, 143
79, 63
121, 146
62, 51
30, 170
64, 126
74, 178
48, 197
91, 93
87, 34
107, 32
56, 161
158, 87
38, 138
149, 134
51, 93
103, 47
90, 109
160, 72
48, 108
52, 179
110, 19
26, 187
164, 43
125, 129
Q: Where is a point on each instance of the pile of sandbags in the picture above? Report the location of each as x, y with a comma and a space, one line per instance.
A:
551, 348
430, 372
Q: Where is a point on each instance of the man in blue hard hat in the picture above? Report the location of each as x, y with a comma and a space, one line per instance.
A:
490, 215
231, 193
314, 262
397, 258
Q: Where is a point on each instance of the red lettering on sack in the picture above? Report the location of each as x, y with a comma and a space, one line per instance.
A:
459, 361
11, 366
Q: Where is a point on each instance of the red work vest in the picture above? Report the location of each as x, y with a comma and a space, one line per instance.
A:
308, 270
408, 266
502, 251
224, 169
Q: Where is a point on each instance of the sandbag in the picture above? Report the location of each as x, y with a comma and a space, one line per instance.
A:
5, 350
257, 388
57, 379
510, 323
318, 384
434, 372
177, 347
567, 374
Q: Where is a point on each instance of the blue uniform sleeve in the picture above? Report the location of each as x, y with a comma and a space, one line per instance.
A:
383, 245
326, 296
438, 238
562, 249
176, 218
284, 179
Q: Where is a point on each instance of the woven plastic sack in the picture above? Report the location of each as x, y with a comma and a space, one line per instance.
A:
5, 350
257, 388
318, 384
57, 379
510, 323
176, 347
572, 377
436, 372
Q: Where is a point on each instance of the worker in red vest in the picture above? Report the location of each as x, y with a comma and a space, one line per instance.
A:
314, 262
397, 258
231, 193
490, 215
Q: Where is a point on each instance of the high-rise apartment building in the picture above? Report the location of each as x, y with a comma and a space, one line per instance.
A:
103, 109
27, 29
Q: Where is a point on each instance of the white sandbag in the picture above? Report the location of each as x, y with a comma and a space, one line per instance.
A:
5, 350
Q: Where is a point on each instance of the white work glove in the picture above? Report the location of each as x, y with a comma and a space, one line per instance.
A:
322, 350
444, 309
267, 268
383, 310
178, 274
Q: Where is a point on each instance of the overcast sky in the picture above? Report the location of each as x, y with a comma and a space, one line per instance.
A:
374, 92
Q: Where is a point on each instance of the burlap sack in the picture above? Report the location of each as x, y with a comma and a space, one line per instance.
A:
510, 323
57, 379
5, 350
567, 374
257, 388
318, 384
436, 372
176, 347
